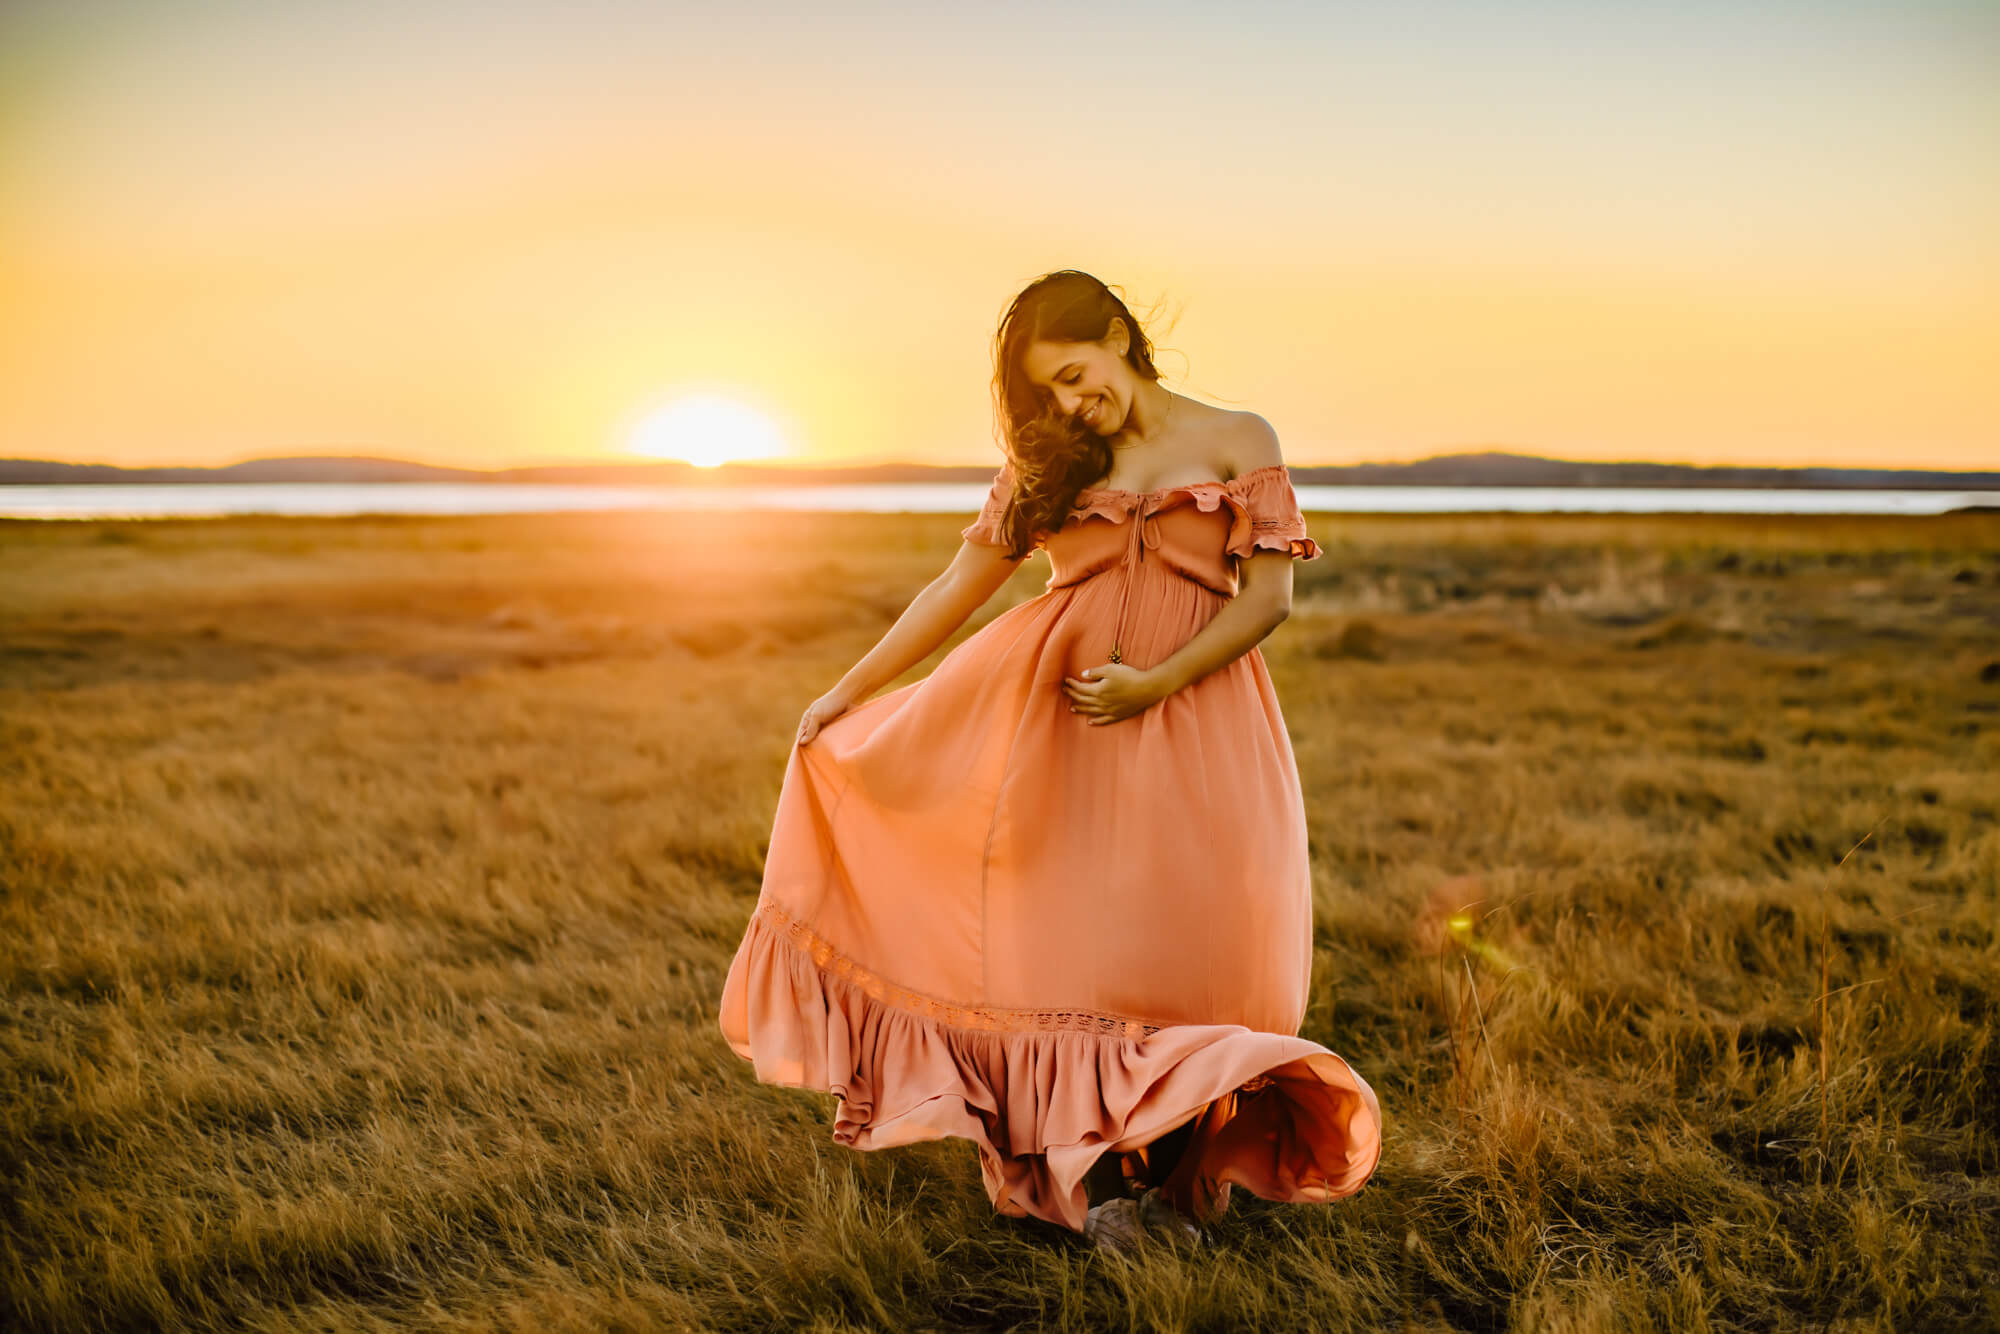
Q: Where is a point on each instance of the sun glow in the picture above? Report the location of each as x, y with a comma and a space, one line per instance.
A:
707, 430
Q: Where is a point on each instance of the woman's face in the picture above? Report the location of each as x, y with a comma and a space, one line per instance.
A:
1087, 381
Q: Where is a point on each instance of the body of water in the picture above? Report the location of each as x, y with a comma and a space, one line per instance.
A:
209, 500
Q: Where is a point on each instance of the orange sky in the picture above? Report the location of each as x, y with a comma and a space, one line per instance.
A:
504, 233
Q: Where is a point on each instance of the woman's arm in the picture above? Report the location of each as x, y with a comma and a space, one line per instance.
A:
1239, 625
1112, 691
973, 576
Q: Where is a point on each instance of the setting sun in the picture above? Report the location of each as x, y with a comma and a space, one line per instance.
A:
707, 430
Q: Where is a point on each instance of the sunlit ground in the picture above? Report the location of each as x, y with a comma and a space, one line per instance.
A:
368, 886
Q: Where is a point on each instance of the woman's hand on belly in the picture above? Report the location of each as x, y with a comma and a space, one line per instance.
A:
1112, 691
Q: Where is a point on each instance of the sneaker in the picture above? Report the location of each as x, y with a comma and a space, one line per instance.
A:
1114, 1226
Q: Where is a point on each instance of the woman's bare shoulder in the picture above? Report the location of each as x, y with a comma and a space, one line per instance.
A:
1248, 442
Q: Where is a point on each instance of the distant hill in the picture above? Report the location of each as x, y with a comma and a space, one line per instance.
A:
1478, 469
1498, 469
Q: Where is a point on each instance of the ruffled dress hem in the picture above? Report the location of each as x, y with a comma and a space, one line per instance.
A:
1044, 1094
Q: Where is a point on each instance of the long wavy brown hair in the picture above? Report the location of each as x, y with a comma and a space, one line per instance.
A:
1054, 456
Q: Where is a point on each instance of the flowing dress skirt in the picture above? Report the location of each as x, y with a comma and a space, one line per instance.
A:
983, 917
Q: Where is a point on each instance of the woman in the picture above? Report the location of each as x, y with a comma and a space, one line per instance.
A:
1054, 898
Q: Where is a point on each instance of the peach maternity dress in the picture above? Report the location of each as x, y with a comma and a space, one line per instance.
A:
984, 917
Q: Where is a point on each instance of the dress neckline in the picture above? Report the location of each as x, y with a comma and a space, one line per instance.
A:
1182, 486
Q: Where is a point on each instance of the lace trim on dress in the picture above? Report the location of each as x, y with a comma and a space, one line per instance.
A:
984, 1018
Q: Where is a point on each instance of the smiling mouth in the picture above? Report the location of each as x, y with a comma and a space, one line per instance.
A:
1090, 413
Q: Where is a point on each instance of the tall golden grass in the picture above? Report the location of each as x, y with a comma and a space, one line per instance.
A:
368, 888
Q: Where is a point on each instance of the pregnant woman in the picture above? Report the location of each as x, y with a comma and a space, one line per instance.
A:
1054, 898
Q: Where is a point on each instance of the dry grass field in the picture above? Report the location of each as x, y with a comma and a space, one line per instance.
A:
368, 886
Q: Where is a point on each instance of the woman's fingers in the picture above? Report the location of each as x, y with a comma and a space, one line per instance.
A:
1087, 698
1082, 702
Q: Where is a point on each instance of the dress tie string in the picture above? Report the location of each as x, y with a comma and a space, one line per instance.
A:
1135, 555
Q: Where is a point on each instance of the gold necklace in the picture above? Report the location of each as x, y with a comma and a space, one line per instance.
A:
1173, 400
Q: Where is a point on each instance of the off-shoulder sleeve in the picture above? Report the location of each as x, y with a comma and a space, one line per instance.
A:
1269, 517
986, 529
